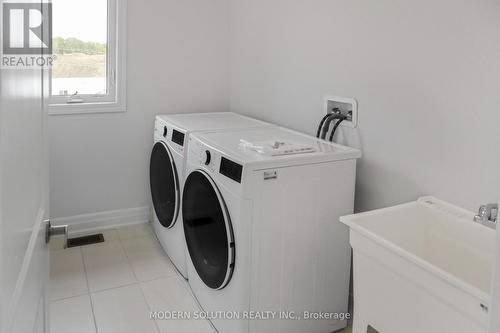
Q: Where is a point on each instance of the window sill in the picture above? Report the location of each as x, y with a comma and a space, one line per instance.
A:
85, 108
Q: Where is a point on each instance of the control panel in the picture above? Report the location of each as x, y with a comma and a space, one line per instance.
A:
203, 155
214, 162
231, 169
178, 137
173, 137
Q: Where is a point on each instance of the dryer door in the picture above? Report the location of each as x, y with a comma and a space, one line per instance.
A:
208, 230
164, 183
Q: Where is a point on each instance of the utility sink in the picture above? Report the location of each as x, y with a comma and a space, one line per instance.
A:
424, 266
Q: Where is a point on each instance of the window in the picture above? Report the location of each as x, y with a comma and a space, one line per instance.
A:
88, 72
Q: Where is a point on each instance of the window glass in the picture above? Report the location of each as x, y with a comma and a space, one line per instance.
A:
80, 31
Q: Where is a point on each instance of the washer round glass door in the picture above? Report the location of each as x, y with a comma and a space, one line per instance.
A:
208, 230
164, 184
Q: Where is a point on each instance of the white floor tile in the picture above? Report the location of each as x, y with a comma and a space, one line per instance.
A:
122, 310
110, 235
171, 294
141, 244
67, 274
139, 230
72, 315
147, 258
107, 266
56, 243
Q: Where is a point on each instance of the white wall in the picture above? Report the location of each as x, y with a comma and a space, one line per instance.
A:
177, 62
426, 75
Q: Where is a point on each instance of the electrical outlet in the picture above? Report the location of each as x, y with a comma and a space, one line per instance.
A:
346, 106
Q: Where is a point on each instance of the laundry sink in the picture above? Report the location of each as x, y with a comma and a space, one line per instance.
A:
423, 266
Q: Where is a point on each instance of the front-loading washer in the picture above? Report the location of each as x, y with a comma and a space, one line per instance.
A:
262, 229
167, 166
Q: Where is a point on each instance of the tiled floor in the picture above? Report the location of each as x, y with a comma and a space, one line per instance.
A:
112, 287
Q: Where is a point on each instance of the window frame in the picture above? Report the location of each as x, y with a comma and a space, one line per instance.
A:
115, 100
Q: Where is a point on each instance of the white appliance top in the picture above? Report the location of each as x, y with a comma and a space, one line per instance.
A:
211, 121
232, 144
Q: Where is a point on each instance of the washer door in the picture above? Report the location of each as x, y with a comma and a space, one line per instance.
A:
164, 184
208, 230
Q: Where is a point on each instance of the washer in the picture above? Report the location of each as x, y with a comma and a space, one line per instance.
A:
263, 232
167, 166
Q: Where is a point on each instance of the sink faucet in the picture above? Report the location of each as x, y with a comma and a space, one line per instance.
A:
487, 215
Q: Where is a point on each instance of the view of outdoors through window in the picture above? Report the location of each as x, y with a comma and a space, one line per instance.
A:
79, 47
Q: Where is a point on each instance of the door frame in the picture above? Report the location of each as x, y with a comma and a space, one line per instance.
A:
494, 322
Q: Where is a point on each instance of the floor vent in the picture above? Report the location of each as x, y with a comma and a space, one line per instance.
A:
85, 240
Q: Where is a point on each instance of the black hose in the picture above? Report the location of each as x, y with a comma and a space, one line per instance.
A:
335, 111
329, 120
341, 119
321, 125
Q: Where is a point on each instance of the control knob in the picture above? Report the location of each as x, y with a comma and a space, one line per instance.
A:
208, 157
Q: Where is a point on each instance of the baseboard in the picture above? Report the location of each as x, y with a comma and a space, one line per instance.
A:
105, 220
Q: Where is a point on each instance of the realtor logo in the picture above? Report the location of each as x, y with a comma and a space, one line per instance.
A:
27, 28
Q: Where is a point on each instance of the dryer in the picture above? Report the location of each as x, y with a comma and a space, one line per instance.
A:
167, 165
263, 231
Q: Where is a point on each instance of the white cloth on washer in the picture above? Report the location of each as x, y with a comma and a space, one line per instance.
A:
277, 147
